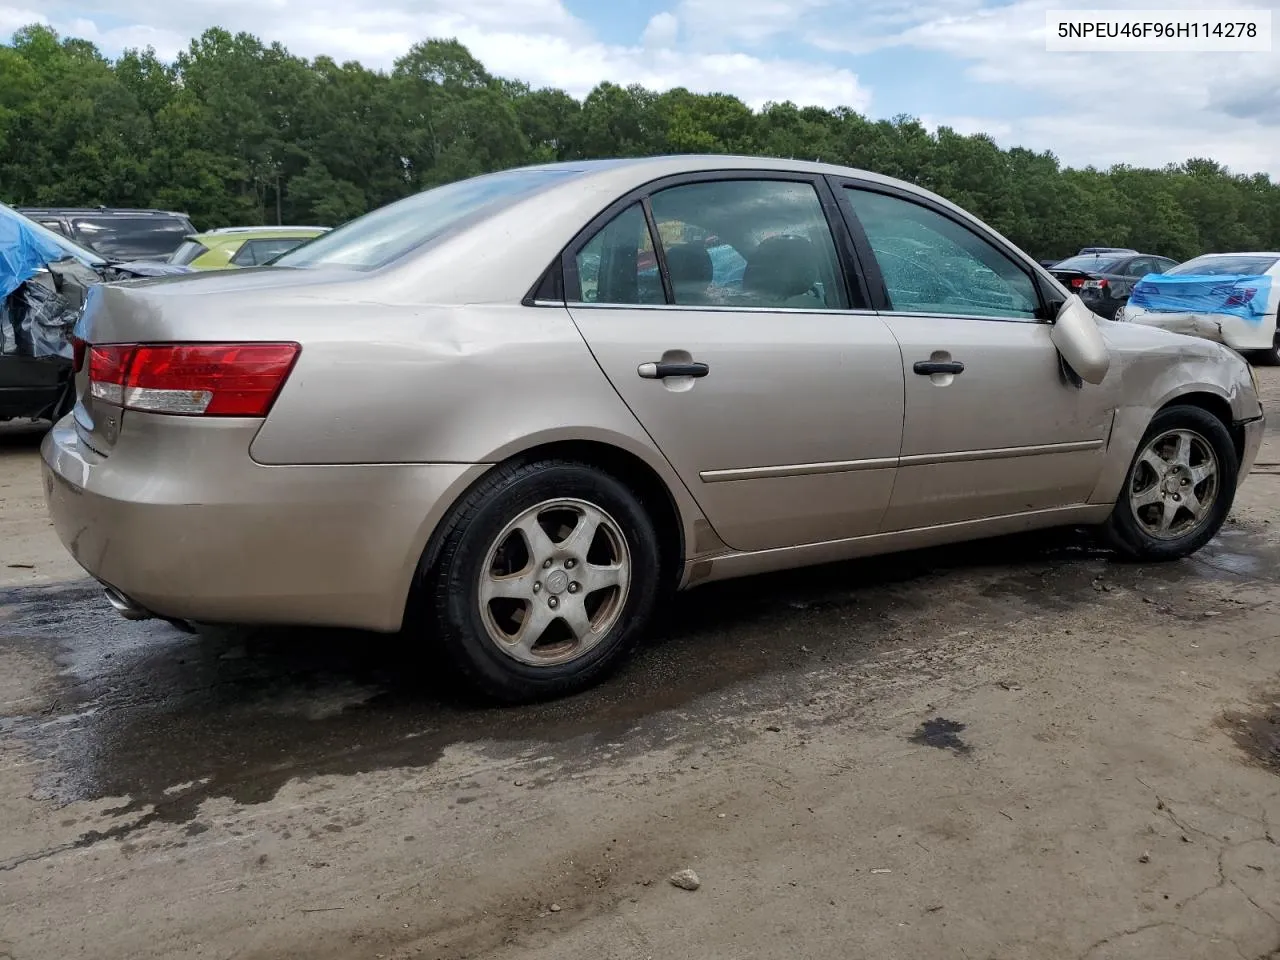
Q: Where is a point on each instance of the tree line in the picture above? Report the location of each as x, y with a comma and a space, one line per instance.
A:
235, 131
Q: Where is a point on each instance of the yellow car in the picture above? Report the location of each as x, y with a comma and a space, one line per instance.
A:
229, 247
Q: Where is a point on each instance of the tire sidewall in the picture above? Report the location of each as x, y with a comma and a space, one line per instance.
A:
457, 595
1125, 526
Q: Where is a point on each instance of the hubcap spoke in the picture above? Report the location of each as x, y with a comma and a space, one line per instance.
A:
537, 618
579, 540
1202, 472
1192, 503
535, 538
596, 577
575, 615
1152, 494
518, 586
1182, 448
1168, 511
1157, 464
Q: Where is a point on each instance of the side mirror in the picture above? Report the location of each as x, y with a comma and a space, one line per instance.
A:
1076, 335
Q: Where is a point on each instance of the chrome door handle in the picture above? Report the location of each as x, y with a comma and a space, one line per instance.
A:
662, 369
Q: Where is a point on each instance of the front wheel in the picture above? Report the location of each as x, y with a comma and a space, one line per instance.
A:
547, 575
1179, 489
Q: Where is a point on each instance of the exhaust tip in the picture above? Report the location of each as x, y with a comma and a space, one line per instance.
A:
126, 607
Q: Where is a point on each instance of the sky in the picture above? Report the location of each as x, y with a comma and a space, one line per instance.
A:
973, 65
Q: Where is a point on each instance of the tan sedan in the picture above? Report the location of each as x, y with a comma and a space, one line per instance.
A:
514, 411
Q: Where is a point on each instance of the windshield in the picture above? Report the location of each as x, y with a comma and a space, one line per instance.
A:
74, 250
390, 232
1217, 266
1089, 264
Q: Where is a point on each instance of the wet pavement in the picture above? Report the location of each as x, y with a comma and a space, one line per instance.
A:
169, 720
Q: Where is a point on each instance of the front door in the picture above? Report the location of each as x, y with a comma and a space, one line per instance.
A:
732, 342
994, 425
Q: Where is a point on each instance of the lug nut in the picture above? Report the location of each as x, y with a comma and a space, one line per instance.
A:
574, 587
537, 586
546, 562
570, 563
552, 602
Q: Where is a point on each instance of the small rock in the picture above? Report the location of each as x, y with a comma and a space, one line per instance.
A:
1185, 838
555, 908
1159, 804
22, 566
685, 880
1145, 858
773, 728
1212, 613
720, 816
1148, 600
518, 783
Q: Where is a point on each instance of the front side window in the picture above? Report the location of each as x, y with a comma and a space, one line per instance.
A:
188, 252
748, 244
932, 264
618, 264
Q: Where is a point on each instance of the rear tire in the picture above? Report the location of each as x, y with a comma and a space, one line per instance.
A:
1179, 488
546, 578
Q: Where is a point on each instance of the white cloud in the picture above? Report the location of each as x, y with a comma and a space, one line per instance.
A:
662, 30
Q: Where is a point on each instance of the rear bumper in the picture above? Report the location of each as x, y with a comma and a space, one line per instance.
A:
201, 532
1232, 331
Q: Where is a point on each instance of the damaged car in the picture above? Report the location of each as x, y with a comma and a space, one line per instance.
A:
44, 280
1231, 298
473, 417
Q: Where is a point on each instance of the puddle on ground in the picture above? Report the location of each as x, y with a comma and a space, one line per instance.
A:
942, 734
139, 707
1257, 731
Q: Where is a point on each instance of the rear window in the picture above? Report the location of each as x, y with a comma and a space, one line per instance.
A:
132, 238
390, 232
188, 252
1223, 266
1089, 264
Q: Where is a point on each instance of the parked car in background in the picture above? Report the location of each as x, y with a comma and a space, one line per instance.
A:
43, 279
499, 436
1232, 298
1105, 280
116, 234
1087, 250
240, 246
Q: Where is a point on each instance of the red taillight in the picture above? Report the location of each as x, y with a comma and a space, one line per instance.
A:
1077, 283
77, 353
192, 379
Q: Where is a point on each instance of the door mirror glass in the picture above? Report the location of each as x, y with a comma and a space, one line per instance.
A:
1076, 335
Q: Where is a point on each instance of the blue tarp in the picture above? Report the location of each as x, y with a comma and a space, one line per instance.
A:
1236, 295
23, 251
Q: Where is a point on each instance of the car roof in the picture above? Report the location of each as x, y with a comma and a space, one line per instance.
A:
1242, 253
103, 211
271, 229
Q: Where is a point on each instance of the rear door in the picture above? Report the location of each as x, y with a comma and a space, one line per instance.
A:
993, 426
741, 347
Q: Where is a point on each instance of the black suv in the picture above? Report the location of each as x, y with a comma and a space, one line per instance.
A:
1105, 280
117, 234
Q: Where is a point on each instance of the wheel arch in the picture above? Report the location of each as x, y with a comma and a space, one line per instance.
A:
675, 515
1214, 404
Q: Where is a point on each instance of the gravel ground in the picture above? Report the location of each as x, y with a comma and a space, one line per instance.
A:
1017, 750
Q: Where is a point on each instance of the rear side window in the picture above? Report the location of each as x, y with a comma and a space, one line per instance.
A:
932, 264
390, 232
1223, 266
131, 238
257, 252
748, 244
618, 265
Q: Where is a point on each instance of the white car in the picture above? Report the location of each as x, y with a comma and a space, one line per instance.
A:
1240, 314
